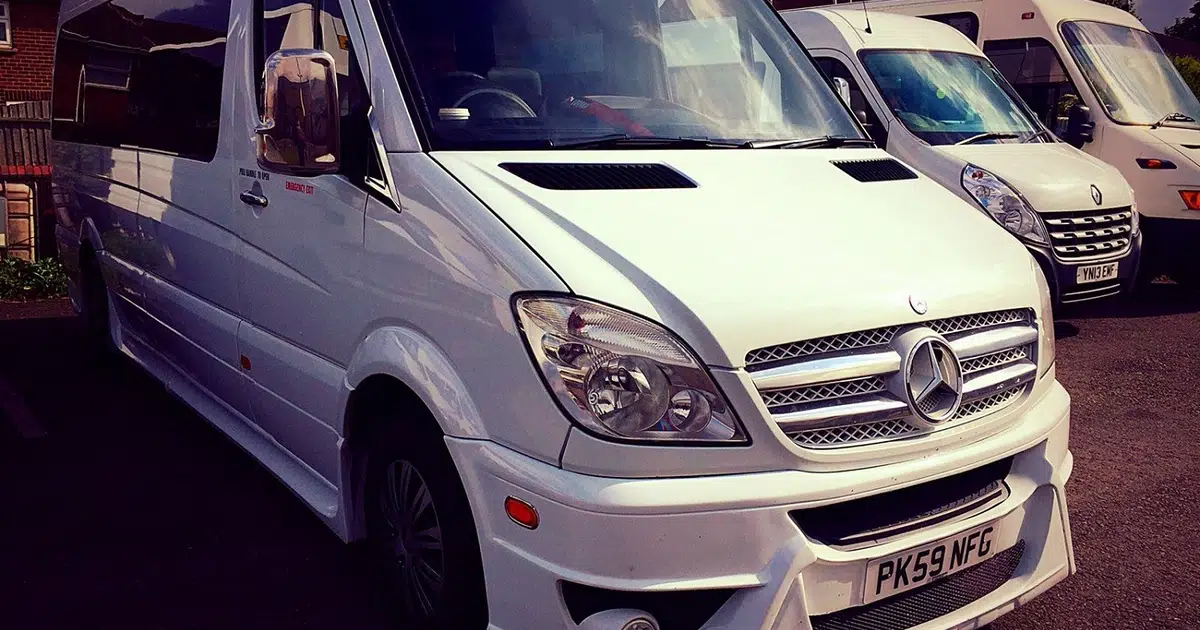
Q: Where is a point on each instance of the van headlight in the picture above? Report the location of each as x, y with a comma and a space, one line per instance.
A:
1046, 340
1003, 204
623, 377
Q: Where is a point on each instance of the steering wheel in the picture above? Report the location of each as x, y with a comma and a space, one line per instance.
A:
496, 101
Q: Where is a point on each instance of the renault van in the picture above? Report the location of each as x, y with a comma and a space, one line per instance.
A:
579, 314
1100, 80
931, 98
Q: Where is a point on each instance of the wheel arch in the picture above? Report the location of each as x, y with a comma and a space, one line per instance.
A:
397, 368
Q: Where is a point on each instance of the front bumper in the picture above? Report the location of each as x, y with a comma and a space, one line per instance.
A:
1064, 285
735, 532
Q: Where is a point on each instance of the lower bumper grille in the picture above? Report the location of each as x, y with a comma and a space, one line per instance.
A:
927, 603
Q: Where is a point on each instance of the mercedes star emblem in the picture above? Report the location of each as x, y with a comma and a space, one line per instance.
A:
1097, 196
933, 380
919, 306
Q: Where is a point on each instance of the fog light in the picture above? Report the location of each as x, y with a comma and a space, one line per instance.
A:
1191, 198
521, 513
620, 619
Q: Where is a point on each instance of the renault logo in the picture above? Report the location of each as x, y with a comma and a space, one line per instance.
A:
933, 381
1097, 196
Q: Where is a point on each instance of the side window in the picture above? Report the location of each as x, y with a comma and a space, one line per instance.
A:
321, 24
966, 22
128, 75
1034, 68
859, 103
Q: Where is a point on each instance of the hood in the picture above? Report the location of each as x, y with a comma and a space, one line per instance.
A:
1052, 177
771, 246
1183, 140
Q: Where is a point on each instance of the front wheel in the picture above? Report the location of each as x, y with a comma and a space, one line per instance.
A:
421, 536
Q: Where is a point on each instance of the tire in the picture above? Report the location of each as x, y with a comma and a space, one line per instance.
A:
421, 538
95, 309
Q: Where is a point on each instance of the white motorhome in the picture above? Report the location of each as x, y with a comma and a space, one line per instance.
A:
582, 314
930, 97
1102, 82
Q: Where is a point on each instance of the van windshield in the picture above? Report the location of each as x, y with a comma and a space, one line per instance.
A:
951, 98
1132, 76
503, 74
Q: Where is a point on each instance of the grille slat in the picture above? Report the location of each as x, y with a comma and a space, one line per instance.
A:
817, 393
1090, 233
996, 359
877, 337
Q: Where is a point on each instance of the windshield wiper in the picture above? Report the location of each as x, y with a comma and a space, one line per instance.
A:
1174, 117
991, 135
624, 141
1038, 134
823, 142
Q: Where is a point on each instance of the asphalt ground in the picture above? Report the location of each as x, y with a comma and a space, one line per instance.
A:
120, 508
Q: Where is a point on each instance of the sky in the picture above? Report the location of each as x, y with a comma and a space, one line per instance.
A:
1159, 14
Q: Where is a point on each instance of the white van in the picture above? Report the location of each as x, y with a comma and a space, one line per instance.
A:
1100, 80
581, 314
931, 98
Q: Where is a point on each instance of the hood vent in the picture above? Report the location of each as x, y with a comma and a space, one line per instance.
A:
600, 176
885, 170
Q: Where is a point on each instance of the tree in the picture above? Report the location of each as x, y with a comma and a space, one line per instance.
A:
1187, 27
1121, 4
1189, 69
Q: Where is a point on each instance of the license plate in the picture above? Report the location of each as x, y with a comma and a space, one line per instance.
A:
1096, 273
916, 567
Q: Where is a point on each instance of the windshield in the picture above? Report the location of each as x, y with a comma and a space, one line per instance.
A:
1132, 76
948, 98
521, 73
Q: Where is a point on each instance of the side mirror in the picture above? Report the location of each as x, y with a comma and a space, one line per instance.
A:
1080, 127
299, 133
843, 89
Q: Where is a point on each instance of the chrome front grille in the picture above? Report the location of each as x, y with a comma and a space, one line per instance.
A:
1090, 234
877, 337
834, 391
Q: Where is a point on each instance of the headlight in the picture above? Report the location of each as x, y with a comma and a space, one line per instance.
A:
1046, 351
1004, 205
622, 376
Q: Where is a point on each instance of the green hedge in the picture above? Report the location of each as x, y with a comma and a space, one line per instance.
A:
1189, 67
22, 280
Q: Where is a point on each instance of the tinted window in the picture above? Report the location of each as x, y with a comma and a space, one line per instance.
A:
510, 74
321, 24
135, 73
1034, 68
859, 104
967, 23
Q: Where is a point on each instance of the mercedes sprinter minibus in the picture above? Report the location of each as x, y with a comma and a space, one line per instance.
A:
598, 314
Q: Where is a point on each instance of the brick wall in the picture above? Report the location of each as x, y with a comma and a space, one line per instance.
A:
28, 65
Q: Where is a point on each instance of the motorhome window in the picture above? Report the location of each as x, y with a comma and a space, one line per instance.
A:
946, 97
834, 68
521, 73
137, 73
1132, 77
1034, 68
967, 23
322, 25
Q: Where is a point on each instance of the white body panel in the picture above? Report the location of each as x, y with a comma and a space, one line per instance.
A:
267, 320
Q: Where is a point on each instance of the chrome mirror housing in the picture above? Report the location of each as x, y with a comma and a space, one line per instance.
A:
299, 132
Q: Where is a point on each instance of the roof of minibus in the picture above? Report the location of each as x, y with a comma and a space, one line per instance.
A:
835, 28
1049, 12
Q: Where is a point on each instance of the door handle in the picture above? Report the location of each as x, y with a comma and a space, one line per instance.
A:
254, 199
